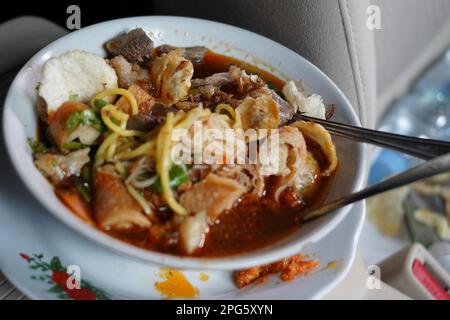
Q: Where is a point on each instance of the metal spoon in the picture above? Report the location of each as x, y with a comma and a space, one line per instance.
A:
428, 169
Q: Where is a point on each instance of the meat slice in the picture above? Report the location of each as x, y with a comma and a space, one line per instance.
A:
150, 114
247, 85
286, 110
135, 46
144, 100
128, 73
147, 121
58, 167
216, 80
194, 54
245, 82
213, 195
220, 97
114, 208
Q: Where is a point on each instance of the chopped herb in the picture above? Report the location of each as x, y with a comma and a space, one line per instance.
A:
73, 145
177, 176
84, 192
99, 103
37, 146
86, 117
86, 173
74, 97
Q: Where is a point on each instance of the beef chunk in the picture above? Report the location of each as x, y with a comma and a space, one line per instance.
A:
135, 46
148, 121
194, 54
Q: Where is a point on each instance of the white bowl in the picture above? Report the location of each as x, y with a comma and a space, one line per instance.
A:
20, 122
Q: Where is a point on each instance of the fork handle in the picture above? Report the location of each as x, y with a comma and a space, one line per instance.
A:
417, 147
425, 149
428, 169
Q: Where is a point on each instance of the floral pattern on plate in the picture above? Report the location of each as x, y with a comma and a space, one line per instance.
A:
63, 284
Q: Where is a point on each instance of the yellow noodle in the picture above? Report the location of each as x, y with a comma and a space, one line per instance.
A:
205, 112
226, 118
106, 114
226, 107
118, 91
101, 152
111, 150
117, 114
190, 118
145, 183
163, 164
146, 148
120, 169
139, 199
178, 117
126, 144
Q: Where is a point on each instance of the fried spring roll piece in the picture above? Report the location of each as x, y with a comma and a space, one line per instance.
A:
66, 126
114, 208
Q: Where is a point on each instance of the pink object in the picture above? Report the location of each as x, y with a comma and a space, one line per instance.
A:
428, 281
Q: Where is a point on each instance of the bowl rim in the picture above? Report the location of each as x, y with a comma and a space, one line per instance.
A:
233, 262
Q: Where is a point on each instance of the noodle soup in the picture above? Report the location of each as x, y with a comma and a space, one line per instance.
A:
112, 132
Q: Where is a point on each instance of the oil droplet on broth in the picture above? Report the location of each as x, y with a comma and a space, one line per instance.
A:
203, 276
175, 285
333, 265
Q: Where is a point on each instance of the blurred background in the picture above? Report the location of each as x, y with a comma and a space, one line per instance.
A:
390, 57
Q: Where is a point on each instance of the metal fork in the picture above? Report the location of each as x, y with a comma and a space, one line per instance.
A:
425, 149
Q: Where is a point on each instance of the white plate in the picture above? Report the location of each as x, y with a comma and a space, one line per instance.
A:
20, 122
26, 227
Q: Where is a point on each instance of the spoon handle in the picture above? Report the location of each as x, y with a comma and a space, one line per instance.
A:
428, 169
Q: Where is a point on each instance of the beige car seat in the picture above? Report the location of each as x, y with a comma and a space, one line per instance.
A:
372, 67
